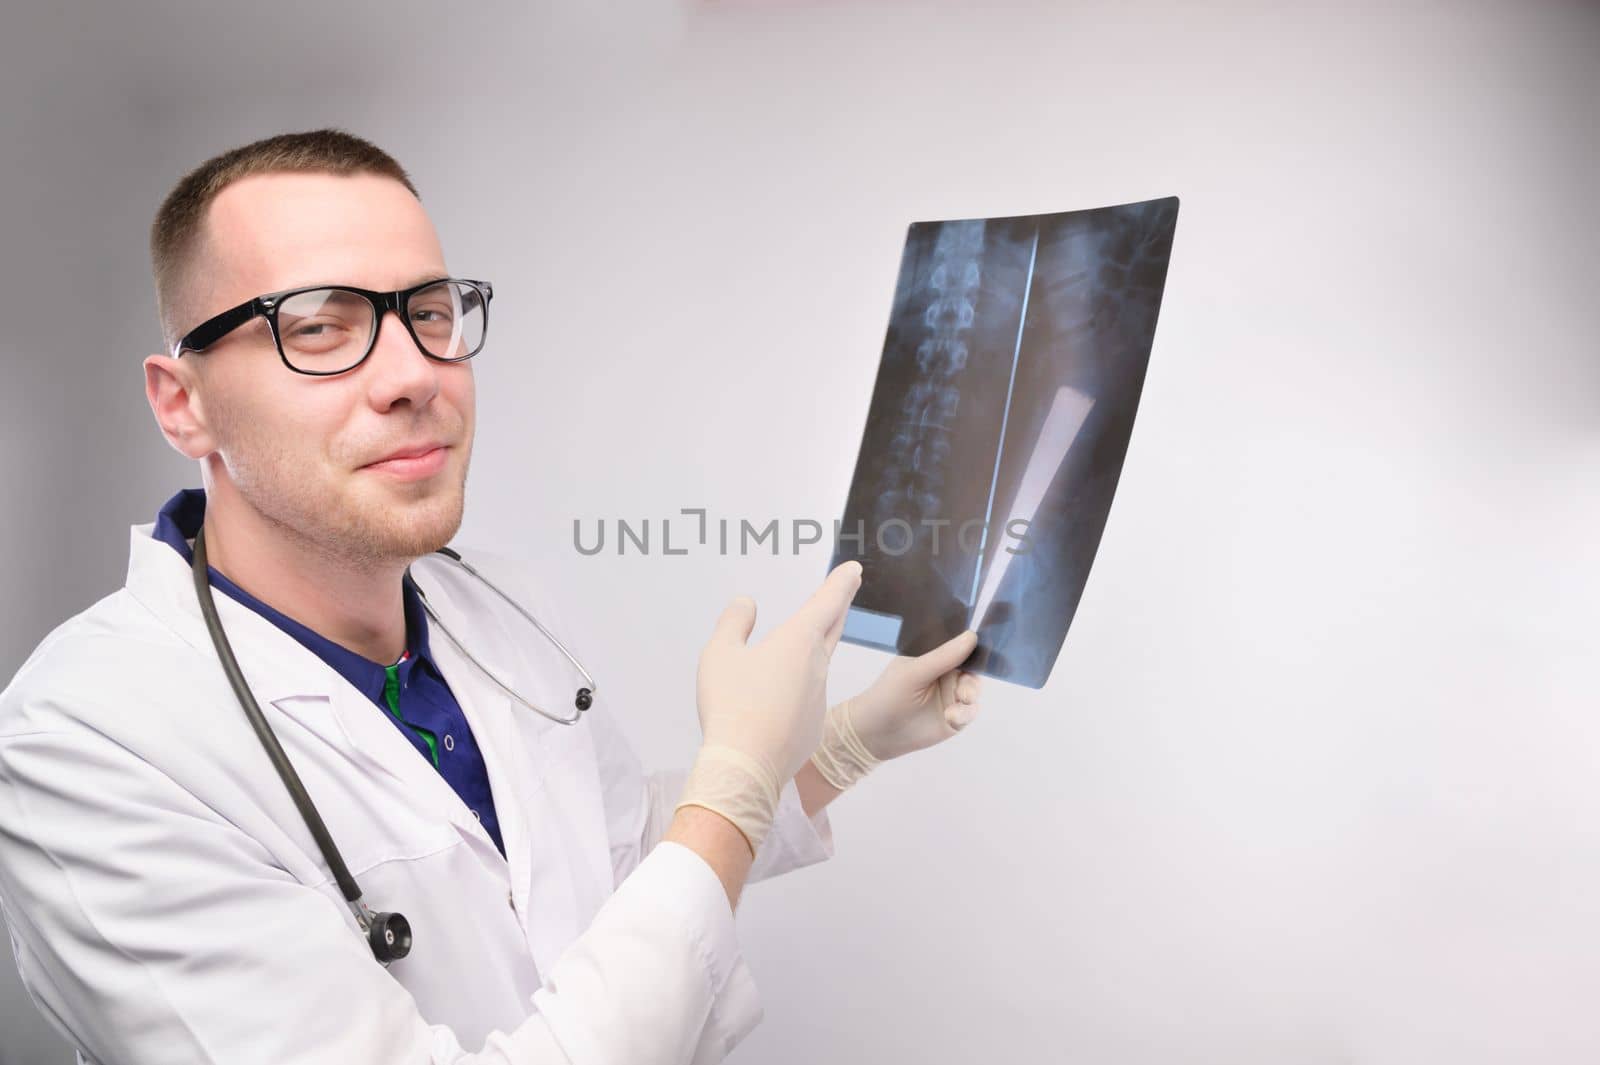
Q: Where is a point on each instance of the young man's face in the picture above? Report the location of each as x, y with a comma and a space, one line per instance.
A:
300, 449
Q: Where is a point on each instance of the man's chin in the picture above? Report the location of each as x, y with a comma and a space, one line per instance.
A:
409, 528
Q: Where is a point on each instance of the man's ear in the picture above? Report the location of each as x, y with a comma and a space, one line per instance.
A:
169, 385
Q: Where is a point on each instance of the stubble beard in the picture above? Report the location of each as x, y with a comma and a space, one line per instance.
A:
358, 524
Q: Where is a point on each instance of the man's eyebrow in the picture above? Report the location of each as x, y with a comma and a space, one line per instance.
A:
415, 280
422, 279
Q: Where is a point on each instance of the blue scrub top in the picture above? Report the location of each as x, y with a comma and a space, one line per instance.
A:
411, 692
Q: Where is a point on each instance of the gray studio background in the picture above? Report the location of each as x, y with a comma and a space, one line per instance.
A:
1317, 776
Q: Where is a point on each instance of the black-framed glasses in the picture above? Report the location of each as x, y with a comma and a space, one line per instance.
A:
331, 329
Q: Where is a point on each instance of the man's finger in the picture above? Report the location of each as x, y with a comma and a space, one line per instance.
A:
830, 639
825, 610
736, 622
967, 687
959, 715
945, 657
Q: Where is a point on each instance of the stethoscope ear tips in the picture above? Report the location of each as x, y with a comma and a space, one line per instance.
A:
585, 699
390, 937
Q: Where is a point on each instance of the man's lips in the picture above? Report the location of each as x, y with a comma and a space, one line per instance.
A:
412, 462
410, 451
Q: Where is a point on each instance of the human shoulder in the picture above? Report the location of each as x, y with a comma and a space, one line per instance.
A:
114, 651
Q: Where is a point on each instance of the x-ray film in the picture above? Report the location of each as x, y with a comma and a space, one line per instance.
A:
1004, 402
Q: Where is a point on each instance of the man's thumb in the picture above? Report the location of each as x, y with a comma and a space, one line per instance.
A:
945, 657
737, 620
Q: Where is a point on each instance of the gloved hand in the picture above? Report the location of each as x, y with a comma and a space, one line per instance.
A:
761, 706
915, 703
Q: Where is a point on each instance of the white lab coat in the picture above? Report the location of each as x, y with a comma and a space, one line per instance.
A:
166, 902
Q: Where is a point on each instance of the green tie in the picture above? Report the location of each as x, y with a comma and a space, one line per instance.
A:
391, 695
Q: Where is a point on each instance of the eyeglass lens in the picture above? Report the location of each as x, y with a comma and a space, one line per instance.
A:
329, 329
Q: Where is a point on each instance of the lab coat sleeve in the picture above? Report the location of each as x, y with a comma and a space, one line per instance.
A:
639, 808
149, 928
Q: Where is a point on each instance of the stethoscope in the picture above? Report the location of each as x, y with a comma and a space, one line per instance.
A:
388, 934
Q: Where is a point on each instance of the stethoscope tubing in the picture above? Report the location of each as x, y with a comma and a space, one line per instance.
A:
585, 694
388, 934
269, 740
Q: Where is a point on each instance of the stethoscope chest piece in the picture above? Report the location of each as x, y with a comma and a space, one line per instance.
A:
389, 935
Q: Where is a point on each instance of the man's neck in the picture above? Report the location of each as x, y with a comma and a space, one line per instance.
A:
360, 608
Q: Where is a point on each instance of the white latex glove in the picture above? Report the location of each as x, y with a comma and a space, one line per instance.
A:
914, 703
761, 706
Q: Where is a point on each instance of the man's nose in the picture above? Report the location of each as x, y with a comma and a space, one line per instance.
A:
397, 368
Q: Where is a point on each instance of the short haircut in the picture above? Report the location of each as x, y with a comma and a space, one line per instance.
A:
179, 224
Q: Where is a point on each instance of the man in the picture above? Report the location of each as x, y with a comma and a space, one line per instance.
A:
166, 896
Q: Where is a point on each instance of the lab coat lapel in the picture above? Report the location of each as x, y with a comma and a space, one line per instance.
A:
348, 720
274, 664
570, 870
540, 772
489, 713
515, 753
285, 675
546, 797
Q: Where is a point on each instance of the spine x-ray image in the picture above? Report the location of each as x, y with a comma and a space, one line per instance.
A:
1004, 402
